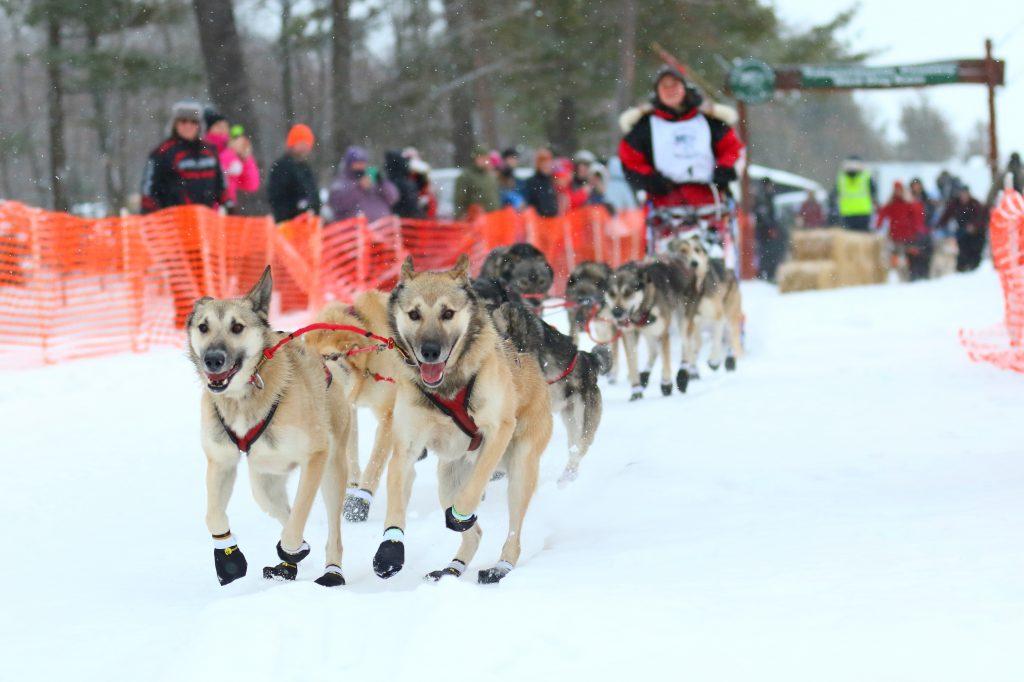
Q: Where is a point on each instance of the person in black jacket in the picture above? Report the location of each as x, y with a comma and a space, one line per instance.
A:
539, 189
291, 186
183, 169
396, 168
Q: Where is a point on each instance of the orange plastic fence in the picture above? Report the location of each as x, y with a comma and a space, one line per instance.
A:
73, 288
1003, 345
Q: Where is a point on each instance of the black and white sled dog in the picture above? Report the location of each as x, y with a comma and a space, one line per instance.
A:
571, 375
522, 268
585, 290
646, 299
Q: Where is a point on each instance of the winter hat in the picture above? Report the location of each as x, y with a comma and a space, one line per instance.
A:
563, 168
510, 151
212, 118
355, 154
185, 111
480, 150
668, 70
584, 156
299, 133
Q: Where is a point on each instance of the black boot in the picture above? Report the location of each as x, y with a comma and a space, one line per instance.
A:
288, 569
489, 576
230, 564
645, 377
390, 556
357, 505
332, 577
682, 380
456, 568
666, 389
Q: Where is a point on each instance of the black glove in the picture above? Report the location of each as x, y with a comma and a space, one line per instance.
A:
723, 175
659, 184
455, 524
230, 564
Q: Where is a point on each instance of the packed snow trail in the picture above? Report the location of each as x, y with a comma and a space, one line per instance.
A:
846, 506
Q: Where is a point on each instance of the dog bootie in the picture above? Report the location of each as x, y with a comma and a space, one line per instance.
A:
489, 576
332, 577
456, 568
423, 455
497, 475
230, 563
390, 556
730, 364
457, 522
288, 569
682, 380
713, 366
645, 377
666, 389
636, 393
357, 505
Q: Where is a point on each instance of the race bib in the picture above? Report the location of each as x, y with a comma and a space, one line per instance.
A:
682, 149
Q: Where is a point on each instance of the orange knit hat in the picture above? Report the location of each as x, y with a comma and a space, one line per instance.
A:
299, 133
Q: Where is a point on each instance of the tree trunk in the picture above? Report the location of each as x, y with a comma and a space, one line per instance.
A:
225, 65
341, 77
22, 87
564, 137
627, 61
483, 86
461, 98
55, 116
101, 125
287, 98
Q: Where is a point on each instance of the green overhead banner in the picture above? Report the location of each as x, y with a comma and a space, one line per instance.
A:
853, 76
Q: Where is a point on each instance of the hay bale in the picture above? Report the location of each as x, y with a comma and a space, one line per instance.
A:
860, 258
806, 275
814, 244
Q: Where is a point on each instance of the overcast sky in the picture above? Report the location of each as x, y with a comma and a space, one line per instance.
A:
912, 31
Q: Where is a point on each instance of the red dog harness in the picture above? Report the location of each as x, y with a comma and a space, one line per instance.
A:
458, 411
244, 443
568, 370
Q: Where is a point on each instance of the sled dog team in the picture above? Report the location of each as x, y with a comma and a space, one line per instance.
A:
463, 368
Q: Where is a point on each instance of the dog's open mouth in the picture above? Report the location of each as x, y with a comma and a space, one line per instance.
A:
432, 373
219, 381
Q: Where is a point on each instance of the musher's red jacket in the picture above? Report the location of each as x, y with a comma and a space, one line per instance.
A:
637, 153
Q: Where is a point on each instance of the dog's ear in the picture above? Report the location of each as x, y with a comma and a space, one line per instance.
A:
461, 269
259, 295
195, 307
408, 271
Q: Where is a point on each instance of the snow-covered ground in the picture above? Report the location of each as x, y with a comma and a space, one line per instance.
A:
846, 506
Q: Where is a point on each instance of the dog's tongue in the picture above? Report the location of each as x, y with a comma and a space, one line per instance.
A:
431, 373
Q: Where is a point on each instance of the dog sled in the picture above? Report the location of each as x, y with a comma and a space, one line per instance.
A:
713, 224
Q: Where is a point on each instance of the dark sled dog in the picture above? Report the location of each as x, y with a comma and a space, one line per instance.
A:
522, 268
571, 375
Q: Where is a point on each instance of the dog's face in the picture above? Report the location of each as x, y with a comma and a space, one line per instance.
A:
433, 316
626, 289
227, 336
587, 284
694, 256
530, 276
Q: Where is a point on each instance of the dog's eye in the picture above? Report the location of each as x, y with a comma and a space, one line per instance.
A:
203, 327
414, 315
447, 314
237, 327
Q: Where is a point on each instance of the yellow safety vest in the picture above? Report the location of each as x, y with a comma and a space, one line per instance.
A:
854, 194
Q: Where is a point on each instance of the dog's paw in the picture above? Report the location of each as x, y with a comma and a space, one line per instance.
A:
694, 373
568, 476
390, 556
612, 380
283, 571
457, 522
455, 569
293, 558
645, 378
666, 389
332, 577
357, 505
636, 394
682, 380
230, 564
497, 475
713, 366
730, 364
489, 576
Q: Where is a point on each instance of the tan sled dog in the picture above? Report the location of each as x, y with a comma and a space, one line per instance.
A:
468, 397
369, 380
281, 414
716, 304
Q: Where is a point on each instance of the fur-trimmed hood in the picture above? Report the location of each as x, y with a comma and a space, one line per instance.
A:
630, 117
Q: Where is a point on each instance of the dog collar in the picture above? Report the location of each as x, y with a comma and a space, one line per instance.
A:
457, 409
568, 370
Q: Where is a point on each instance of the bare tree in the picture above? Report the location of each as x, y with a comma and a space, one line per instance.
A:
461, 98
341, 76
55, 114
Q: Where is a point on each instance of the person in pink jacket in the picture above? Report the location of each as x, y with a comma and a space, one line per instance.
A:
236, 159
